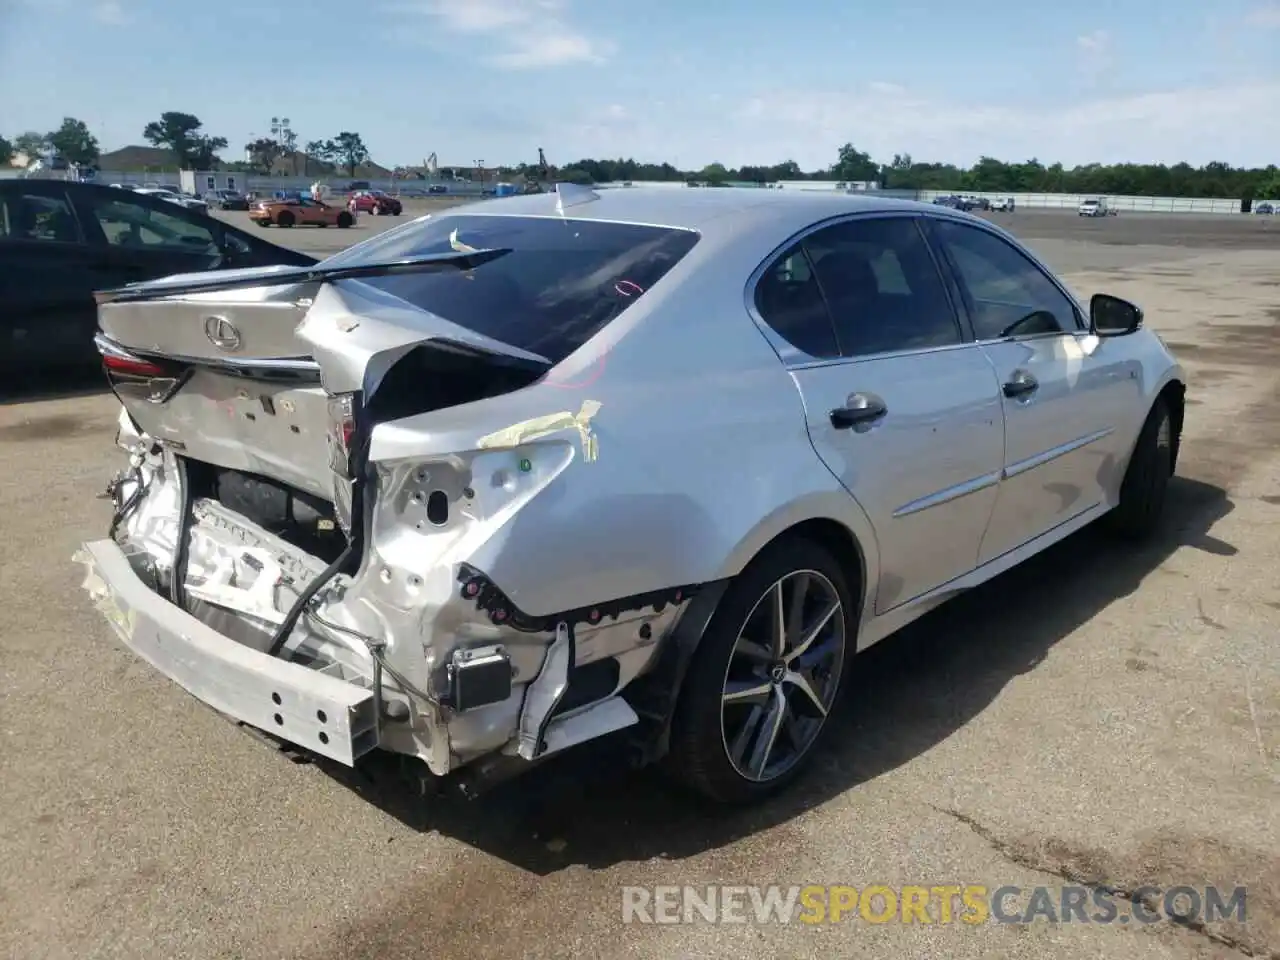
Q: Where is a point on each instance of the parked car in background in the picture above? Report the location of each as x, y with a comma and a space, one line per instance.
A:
61, 240
1005, 205
978, 203
1265, 208
172, 196
437, 188
300, 212
375, 202
920, 403
227, 200
1095, 208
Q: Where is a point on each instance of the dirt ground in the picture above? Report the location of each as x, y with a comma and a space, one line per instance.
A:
1103, 715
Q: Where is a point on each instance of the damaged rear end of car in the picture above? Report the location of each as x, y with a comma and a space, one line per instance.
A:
317, 456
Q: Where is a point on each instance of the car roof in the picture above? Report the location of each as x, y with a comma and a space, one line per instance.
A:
710, 211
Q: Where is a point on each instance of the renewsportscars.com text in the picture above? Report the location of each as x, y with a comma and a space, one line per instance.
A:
969, 904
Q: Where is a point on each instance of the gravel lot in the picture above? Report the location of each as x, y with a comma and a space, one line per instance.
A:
1102, 714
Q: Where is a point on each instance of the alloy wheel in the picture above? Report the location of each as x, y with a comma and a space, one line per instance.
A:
783, 674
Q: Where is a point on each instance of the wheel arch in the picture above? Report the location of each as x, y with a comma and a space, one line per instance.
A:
838, 540
1174, 395
657, 694
832, 518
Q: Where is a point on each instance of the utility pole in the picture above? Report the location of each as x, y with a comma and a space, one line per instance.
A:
283, 134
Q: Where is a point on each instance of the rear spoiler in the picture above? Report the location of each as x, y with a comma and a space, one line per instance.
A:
272, 277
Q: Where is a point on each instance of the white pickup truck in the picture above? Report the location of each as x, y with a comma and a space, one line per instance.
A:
1094, 208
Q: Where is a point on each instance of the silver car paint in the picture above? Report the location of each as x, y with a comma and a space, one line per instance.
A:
673, 446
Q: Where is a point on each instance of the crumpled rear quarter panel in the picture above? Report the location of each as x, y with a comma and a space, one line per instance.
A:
690, 453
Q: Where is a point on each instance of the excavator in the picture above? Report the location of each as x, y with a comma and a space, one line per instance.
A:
543, 181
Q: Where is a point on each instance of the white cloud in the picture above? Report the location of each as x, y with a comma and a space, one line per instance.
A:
1197, 125
1099, 41
109, 12
1094, 49
527, 34
1266, 17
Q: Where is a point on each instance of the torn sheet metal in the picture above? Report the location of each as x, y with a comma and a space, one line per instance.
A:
534, 429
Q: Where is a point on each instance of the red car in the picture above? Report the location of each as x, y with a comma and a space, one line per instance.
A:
375, 202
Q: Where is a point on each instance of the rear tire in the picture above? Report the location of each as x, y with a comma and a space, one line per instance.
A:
747, 678
285, 219
345, 220
1146, 480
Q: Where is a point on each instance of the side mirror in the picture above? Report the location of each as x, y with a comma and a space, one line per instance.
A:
1112, 317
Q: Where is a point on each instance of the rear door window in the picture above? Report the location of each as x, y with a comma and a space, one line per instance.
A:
38, 215
560, 283
882, 287
140, 226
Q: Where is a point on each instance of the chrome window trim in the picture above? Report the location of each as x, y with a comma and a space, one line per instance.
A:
816, 363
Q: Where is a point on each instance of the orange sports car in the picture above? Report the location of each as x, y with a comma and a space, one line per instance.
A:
301, 211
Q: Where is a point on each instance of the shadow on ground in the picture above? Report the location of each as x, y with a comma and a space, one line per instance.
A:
908, 694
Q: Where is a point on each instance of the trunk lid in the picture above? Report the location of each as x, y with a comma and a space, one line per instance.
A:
237, 368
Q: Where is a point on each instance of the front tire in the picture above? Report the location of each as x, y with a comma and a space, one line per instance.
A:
766, 676
285, 219
1146, 481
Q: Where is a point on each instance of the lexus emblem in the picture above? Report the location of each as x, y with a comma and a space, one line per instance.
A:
222, 333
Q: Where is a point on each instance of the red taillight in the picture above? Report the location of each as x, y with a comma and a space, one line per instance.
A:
132, 366
342, 433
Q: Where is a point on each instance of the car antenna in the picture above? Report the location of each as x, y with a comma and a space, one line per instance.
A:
572, 194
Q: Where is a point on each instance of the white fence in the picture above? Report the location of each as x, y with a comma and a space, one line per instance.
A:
1057, 201
1069, 201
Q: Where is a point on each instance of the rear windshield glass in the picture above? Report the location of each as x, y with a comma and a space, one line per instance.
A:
562, 282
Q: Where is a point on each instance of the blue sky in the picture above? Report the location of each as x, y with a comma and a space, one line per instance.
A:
492, 80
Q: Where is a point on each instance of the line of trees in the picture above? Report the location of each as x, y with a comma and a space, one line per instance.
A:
182, 134
72, 141
346, 151
987, 175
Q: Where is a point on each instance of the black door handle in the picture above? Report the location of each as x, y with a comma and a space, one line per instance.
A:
860, 410
1020, 385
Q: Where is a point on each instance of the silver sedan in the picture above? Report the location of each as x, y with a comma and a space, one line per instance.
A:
637, 462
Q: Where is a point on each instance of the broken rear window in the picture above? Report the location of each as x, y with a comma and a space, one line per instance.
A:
562, 282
